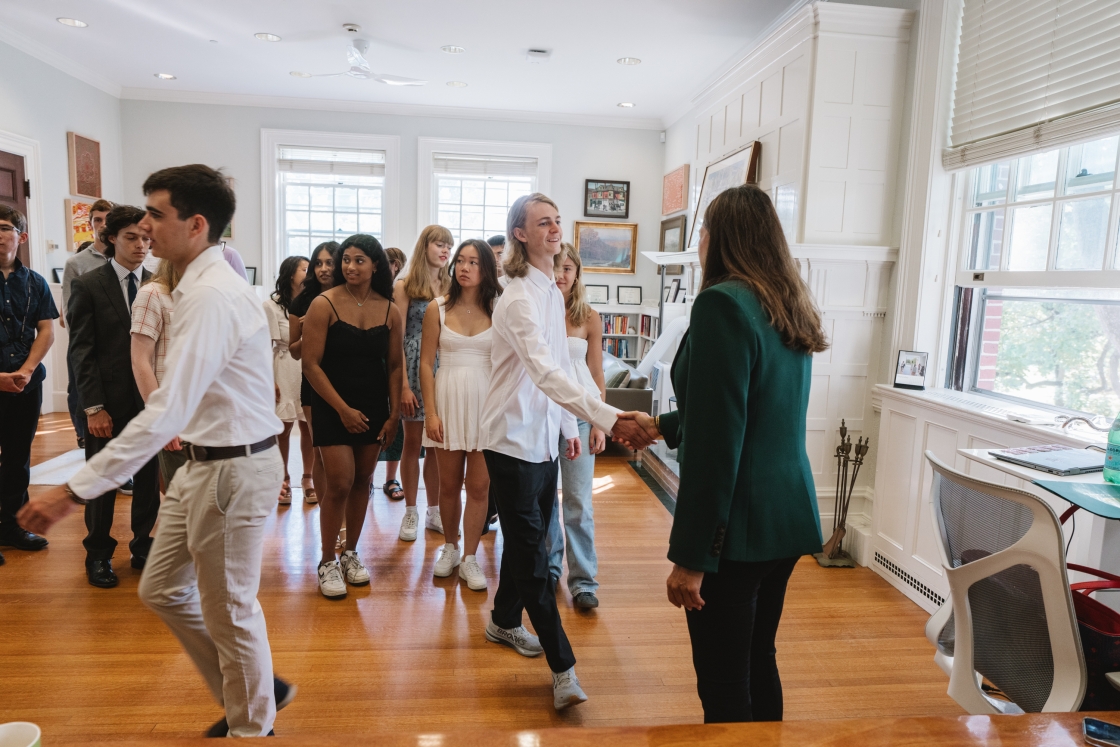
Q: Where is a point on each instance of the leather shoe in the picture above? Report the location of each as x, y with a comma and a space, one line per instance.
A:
139, 561
21, 539
100, 573
585, 600
2, 561
283, 692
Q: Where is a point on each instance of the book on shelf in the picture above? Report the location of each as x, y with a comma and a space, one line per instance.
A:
617, 348
615, 324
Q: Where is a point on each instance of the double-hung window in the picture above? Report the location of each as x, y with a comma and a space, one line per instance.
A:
474, 193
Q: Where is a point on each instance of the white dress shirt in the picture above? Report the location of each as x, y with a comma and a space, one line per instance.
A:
122, 278
218, 387
532, 376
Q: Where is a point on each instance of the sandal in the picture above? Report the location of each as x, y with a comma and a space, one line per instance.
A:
285, 493
308, 491
393, 490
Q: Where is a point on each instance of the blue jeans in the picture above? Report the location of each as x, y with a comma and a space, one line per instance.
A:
579, 519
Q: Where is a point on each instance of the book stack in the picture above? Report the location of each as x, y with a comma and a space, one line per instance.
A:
617, 348
616, 324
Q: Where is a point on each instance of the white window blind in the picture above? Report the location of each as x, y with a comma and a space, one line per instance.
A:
466, 165
1033, 73
307, 160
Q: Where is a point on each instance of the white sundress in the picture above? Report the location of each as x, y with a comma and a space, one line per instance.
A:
286, 369
462, 382
577, 351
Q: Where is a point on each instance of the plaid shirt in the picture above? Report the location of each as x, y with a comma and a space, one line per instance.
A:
151, 316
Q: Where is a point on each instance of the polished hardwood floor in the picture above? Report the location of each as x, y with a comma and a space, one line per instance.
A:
406, 654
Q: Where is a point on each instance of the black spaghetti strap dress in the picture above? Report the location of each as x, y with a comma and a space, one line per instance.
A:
356, 363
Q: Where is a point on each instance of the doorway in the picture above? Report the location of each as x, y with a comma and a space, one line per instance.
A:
13, 192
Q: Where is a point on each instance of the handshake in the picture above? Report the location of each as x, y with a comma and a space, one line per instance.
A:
635, 430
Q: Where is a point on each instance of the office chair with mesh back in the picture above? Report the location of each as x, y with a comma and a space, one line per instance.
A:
1009, 617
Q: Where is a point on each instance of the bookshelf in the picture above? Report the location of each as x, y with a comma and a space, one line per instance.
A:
628, 331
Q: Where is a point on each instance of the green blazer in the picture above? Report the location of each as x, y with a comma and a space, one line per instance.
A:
746, 489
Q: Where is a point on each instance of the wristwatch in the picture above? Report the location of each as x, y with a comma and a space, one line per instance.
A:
94, 410
74, 496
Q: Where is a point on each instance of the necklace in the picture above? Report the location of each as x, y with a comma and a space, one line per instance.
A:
366, 298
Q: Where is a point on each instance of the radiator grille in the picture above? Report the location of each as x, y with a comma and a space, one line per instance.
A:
889, 565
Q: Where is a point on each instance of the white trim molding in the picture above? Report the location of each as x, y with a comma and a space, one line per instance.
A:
271, 140
32, 165
427, 146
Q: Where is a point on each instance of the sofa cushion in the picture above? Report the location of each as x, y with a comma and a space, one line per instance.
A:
618, 379
638, 382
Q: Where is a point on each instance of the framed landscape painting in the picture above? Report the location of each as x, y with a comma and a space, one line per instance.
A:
672, 240
732, 170
606, 199
607, 247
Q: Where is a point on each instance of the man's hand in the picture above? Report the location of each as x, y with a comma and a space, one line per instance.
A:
598, 441
8, 384
45, 510
574, 449
174, 444
100, 424
277, 393
629, 432
683, 586
22, 378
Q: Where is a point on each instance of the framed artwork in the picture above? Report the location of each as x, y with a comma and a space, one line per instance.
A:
251, 275
607, 247
672, 240
77, 217
672, 290
910, 373
674, 191
734, 170
605, 199
598, 293
630, 295
56, 274
84, 157
227, 235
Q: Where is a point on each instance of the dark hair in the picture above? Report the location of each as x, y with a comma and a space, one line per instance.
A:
118, 219
382, 280
15, 217
489, 288
101, 206
746, 243
83, 245
283, 294
497, 240
311, 285
197, 190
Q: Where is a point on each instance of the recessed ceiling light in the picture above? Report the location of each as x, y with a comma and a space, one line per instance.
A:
165, 76
629, 61
456, 84
72, 22
298, 74
452, 49
267, 37
627, 105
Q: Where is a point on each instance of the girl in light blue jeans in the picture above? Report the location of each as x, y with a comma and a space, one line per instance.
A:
585, 347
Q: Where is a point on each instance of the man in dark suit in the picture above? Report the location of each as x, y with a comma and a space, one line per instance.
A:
100, 341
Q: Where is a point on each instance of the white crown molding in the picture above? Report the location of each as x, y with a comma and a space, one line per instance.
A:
57, 61
373, 107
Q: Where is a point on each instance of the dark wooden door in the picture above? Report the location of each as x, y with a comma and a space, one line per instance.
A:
13, 191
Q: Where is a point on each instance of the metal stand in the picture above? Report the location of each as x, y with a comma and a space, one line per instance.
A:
833, 555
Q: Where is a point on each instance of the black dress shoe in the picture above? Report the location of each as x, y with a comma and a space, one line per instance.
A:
21, 539
81, 442
100, 573
139, 561
284, 692
126, 489
2, 561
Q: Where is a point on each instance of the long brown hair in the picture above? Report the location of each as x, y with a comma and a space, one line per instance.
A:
746, 243
166, 275
576, 303
489, 288
516, 258
418, 277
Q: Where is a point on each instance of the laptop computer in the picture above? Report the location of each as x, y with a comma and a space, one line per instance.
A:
1057, 459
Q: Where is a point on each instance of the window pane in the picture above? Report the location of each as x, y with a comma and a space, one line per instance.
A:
1030, 236
474, 192
472, 217
496, 193
1082, 234
519, 189
345, 224
322, 222
1091, 167
296, 220
449, 219
296, 196
1037, 175
369, 200
346, 199
370, 224
985, 240
496, 218
989, 184
448, 190
322, 197
298, 246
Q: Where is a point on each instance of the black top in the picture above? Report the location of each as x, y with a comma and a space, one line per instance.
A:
25, 300
299, 307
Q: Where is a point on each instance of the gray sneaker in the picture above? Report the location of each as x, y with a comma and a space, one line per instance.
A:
519, 639
566, 690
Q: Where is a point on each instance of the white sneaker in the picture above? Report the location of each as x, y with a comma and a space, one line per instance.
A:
447, 560
433, 520
566, 690
330, 580
356, 573
519, 639
409, 524
472, 574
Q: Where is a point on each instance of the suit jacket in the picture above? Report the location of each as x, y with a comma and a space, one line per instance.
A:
101, 344
746, 489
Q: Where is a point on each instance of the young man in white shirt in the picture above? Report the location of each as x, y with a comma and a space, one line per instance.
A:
531, 401
203, 571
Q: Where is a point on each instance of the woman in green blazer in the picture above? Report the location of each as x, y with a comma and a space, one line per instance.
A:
746, 507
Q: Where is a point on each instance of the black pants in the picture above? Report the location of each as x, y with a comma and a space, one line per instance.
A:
733, 640
99, 542
74, 401
19, 418
526, 492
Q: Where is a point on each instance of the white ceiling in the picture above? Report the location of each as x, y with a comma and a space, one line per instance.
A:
682, 45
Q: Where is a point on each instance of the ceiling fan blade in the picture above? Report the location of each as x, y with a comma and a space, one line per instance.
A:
396, 80
330, 75
354, 57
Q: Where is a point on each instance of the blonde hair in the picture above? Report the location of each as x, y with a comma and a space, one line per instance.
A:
576, 304
418, 279
515, 260
166, 275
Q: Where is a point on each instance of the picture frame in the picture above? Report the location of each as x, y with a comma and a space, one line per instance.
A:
910, 370
606, 198
598, 293
56, 274
629, 295
251, 275
607, 247
84, 161
673, 237
672, 291
227, 235
77, 218
674, 190
733, 170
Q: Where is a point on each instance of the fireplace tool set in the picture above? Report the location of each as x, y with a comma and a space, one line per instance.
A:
849, 458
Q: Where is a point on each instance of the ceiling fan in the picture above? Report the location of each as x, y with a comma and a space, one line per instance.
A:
359, 68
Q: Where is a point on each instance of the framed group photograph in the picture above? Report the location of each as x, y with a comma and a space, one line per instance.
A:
733, 170
910, 373
84, 157
607, 247
673, 240
606, 199
598, 293
674, 191
630, 295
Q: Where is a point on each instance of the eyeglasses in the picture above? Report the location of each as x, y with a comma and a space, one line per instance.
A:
7, 228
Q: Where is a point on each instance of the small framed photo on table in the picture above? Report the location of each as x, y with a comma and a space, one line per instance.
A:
598, 293
251, 275
910, 373
630, 295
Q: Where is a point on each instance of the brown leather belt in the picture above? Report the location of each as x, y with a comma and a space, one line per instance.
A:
198, 453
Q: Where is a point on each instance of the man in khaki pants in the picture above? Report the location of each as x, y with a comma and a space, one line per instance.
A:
204, 567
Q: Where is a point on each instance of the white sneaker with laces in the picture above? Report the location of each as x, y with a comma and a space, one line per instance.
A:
433, 520
409, 524
356, 573
470, 572
447, 560
566, 690
519, 639
330, 580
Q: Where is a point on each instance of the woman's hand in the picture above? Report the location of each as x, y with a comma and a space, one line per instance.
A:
353, 420
683, 586
277, 393
434, 428
598, 441
409, 403
388, 432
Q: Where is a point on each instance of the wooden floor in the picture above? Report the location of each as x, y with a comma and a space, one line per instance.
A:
407, 652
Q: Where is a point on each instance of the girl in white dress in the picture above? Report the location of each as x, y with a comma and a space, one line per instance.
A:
458, 327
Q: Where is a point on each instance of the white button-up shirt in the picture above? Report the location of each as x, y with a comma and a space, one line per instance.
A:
122, 278
218, 389
532, 375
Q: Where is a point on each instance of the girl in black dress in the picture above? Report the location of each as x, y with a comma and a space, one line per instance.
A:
353, 357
